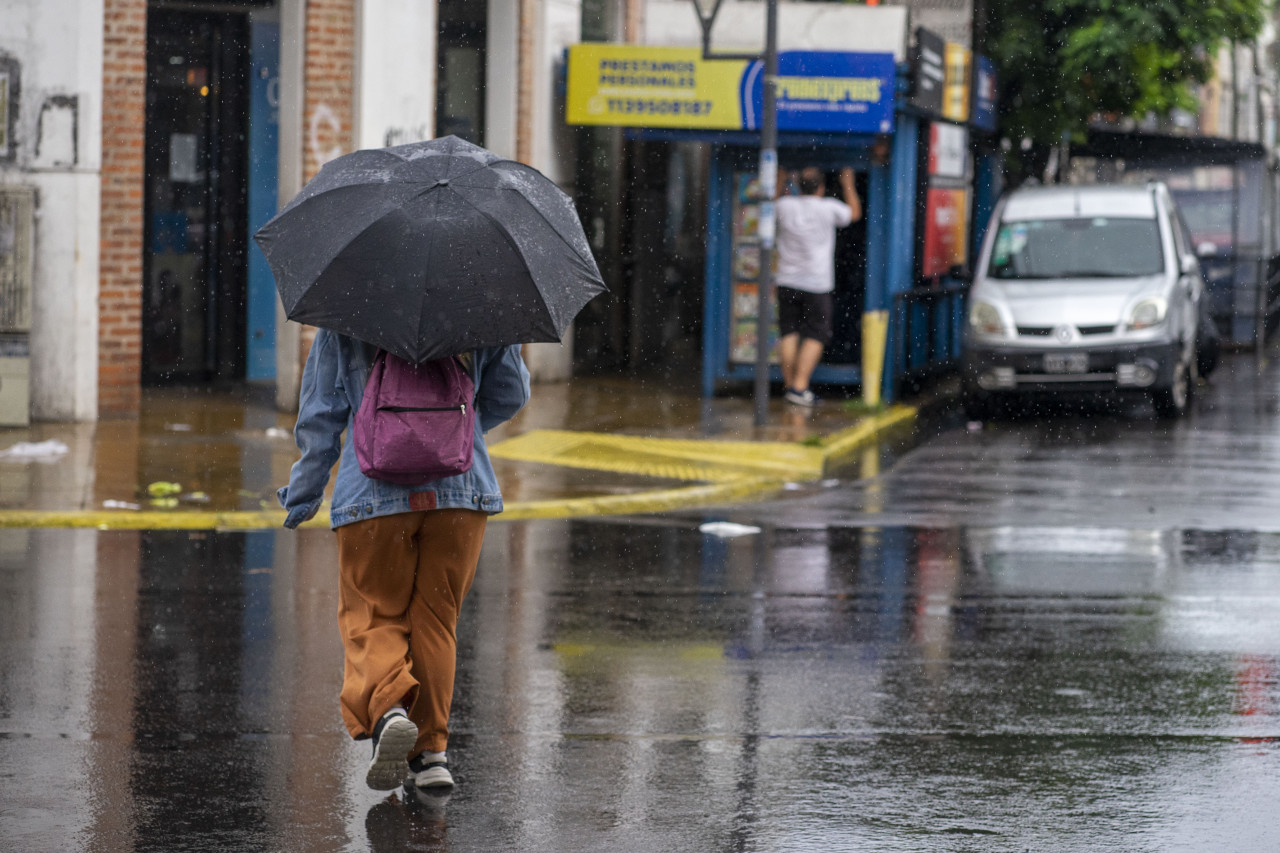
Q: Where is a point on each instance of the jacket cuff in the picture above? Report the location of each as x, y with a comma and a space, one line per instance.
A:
298, 514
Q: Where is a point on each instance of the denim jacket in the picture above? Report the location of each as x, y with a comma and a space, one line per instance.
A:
332, 386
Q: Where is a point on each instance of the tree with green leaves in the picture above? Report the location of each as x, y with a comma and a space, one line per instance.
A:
1062, 62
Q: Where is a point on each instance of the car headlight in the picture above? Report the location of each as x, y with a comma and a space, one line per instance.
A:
984, 318
1148, 313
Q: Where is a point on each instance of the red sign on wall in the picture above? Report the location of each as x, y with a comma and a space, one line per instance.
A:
946, 230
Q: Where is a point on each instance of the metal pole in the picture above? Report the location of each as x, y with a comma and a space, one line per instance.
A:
768, 220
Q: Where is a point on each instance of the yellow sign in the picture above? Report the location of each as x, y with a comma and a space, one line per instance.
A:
955, 91
612, 84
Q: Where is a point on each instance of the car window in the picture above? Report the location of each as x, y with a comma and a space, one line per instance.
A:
1181, 244
1097, 247
1181, 225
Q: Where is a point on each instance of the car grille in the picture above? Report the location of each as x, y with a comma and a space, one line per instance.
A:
1046, 331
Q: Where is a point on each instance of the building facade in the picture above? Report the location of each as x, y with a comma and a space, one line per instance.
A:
143, 142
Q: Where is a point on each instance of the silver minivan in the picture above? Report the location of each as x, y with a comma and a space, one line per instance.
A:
1084, 289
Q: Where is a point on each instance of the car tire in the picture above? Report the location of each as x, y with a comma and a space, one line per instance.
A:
1208, 353
1172, 402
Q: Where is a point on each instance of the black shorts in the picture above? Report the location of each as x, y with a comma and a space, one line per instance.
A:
804, 313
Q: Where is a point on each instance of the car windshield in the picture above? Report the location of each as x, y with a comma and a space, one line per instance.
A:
1097, 247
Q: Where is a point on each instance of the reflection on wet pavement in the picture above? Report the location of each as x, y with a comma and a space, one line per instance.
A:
644, 686
229, 449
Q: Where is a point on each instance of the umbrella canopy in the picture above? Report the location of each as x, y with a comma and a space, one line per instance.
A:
431, 249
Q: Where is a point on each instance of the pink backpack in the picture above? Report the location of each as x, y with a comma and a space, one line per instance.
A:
416, 423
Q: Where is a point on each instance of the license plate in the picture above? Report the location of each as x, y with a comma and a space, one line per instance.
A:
1066, 362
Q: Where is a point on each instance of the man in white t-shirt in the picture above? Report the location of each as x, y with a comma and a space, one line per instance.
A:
806, 275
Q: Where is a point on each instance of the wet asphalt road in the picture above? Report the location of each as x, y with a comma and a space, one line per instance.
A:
1054, 633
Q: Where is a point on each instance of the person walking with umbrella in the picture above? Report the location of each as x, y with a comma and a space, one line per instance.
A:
424, 251
406, 555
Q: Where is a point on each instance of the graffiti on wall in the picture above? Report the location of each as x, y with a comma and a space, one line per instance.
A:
324, 139
405, 135
58, 132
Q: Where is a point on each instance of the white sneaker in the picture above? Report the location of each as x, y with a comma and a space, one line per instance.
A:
393, 737
804, 398
431, 770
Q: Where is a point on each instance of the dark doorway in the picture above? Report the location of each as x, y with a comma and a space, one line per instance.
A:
849, 296
194, 257
460, 79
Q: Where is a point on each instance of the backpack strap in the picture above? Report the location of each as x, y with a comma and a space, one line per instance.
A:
468, 360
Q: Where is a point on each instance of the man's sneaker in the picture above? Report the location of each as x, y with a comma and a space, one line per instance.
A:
431, 770
393, 737
804, 398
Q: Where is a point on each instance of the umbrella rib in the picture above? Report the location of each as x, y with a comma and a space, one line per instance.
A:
502, 229
550, 224
302, 297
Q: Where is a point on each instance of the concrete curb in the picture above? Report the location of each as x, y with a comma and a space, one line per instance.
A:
750, 485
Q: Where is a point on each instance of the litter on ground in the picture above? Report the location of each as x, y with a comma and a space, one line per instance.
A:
35, 451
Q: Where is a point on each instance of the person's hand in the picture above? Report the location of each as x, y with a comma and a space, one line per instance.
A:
850, 193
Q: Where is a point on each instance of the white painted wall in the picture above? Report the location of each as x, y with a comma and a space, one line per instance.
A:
396, 72
293, 27
59, 46
552, 149
502, 71
801, 26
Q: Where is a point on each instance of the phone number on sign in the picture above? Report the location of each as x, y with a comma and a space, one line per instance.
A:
665, 108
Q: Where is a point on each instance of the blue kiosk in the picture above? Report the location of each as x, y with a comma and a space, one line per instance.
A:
835, 110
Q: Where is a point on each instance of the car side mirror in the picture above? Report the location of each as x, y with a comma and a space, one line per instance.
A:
1190, 264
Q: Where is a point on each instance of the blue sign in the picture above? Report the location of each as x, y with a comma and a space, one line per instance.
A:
983, 115
825, 91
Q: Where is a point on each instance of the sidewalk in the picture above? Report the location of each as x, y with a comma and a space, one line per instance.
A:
199, 458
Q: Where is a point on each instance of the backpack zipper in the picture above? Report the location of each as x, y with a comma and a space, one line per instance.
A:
460, 408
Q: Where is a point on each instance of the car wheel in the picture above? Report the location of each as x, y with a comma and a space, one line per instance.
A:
1172, 402
1208, 352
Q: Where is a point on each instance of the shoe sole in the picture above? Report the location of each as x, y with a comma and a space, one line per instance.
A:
435, 777
390, 764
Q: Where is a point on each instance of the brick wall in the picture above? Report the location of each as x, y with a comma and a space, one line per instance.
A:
525, 85
328, 105
124, 80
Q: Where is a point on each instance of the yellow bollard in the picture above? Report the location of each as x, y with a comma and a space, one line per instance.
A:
875, 328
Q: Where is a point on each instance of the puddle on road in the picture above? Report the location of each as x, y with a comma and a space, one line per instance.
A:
644, 684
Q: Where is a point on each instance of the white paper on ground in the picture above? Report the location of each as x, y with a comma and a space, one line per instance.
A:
35, 450
727, 529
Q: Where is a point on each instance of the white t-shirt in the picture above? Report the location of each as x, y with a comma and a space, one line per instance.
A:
807, 241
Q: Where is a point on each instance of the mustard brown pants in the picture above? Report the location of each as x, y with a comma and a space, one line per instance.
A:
403, 578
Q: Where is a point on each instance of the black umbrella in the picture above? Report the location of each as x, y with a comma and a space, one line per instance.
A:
431, 249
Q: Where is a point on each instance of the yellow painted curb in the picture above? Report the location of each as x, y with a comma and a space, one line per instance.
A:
723, 470
837, 447
746, 488
641, 502
668, 458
